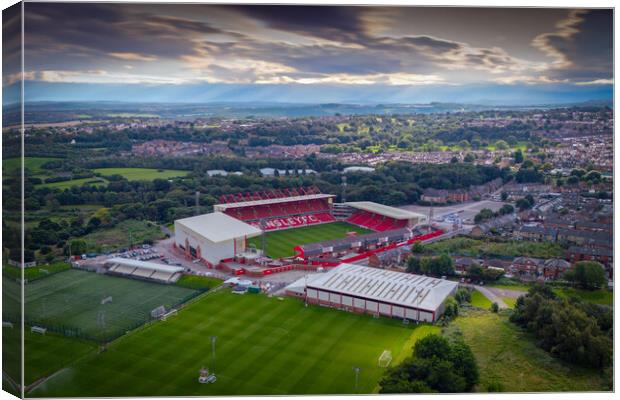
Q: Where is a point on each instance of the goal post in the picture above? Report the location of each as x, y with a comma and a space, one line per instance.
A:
385, 359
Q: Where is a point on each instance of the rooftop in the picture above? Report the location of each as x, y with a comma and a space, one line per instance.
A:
397, 288
144, 265
251, 203
392, 212
218, 227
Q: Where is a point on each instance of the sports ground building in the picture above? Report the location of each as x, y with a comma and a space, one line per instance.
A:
212, 237
376, 291
222, 235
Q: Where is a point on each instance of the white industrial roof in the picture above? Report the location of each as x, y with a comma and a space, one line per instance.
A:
218, 227
144, 265
225, 206
396, 288
392, 212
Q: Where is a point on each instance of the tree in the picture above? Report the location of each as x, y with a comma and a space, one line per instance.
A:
469, 157
414, 265
484, 215
451, 307
593, 176
506, 209
504, 196
588, 275
518, 156
76, 247
436, 365
501, 145
417, 248
462, 295
494, 307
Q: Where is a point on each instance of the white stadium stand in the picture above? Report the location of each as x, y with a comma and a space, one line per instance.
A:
144, 270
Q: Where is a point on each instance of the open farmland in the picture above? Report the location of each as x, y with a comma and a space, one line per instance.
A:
142, 174
264, 346
281, 243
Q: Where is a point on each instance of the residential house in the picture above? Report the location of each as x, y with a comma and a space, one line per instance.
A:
553, 268
536, 233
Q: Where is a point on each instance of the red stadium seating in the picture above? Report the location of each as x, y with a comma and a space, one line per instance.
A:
375, 222
279, 215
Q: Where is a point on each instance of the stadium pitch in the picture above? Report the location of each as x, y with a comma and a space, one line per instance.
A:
264, 346
281, 243
70, 303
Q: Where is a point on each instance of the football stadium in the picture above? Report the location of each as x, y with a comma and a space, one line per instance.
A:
262, 233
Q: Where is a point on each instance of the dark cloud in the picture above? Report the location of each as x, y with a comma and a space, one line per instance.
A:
324, 40
328, 22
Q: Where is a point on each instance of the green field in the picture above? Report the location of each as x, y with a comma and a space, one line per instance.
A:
483, 248
33, 164
117, 237
508, 356
198, 282
45, 354
264, 346
603, 296
34, 273
75, 182
281, 243
479, 300
142, 174
70, 301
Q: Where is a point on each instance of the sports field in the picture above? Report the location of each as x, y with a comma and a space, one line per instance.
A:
141, 174
70, 302
281, 243
44, 354
264, 346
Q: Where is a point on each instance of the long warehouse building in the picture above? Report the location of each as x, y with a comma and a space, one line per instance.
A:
376, 291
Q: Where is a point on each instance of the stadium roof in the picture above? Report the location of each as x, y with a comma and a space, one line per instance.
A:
144, 265
225, 206
392, 212
396, 288
218, 227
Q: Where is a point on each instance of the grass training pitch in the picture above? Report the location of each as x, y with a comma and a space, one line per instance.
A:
44, 354
142, 174
71, 300
281, 243
264, 346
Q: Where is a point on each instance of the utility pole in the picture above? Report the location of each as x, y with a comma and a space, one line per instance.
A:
430, 217
197, 202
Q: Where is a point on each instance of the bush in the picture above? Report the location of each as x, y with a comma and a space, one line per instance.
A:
567, 330
494, 307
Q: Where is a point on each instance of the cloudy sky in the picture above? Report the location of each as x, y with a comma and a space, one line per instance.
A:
316, 53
